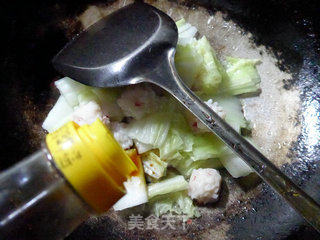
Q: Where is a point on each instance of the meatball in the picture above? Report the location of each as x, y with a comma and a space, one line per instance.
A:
204, 185
89, 112
120, 134
137, 101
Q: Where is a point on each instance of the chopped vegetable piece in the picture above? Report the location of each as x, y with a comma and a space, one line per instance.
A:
186, 169
108, 102
175, 184
188, 63
153, 166
198, 66
178, 203
180, 23
179, 138
135, 194
209, 76
171, 146
60, 114
151, 130
135, 186
234, 164
76, 93
182, 148
142, 147
233, 109
205, 146
185, 165
186, 32
196, 61
243, 76
216, 107
71, 90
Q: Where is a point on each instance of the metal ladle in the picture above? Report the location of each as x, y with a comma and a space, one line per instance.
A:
137, 44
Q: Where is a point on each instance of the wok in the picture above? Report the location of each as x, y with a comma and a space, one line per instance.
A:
285, 116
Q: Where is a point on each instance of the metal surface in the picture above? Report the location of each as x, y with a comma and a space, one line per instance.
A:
100, 57
120, 49
283, 34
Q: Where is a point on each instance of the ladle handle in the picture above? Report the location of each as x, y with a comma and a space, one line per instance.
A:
308, 208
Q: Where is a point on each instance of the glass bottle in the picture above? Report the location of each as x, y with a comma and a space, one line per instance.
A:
43, 197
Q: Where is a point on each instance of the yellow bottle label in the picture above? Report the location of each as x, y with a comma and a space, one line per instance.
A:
92, 161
